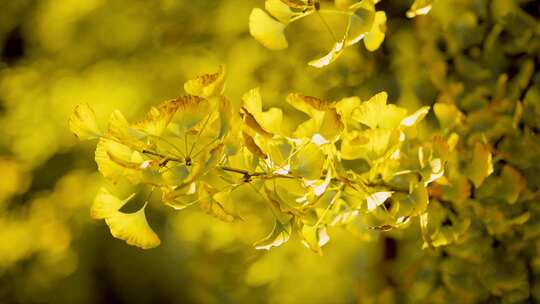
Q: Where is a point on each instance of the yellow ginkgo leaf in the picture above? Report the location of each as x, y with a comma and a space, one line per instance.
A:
182, 197
448, 114
266, 30
158, 118
324, 120
133, 228
83, 123
105, 204
111, 169
308, 162
279, 10
375, 37
376, 199
481, 165
369, 144
330, 57
419, 7
361, 21
279, 235
376, 113
212, 202
207, 85
252, 146
192, 110
270, 121
415, 118
314, 237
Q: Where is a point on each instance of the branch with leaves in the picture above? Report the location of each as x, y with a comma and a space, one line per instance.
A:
351, 162
363, 23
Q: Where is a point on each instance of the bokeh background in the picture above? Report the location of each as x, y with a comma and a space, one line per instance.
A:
129, 55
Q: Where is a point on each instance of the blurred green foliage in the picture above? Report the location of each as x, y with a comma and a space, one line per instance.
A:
474, 61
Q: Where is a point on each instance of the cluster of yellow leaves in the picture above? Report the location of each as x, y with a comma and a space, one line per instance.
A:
363, 23
196, 151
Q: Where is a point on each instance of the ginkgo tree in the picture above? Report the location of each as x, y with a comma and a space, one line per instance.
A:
352, 162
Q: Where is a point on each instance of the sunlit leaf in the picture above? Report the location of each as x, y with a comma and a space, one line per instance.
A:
133, 228
83, 124
308, 162
105, 204
375, 36
270, 121
207, 85
376, 113
279, 10
266, 30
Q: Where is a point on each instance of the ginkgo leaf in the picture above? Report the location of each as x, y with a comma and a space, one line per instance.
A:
192, 110
345, 107
375, 36
158, 118
334, 54
120, 129
253, 147
481, 165
324, 120
361, 22
415, 118
369, 144
207, 85
105, 204
314, 237
181, 197
270, 121
376, 199
449, 115
419, 7
308, 162
279, 235
376, 113
419, 198
266, 30
212, 202
133, 228
111, 169
83, 124
279, 10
